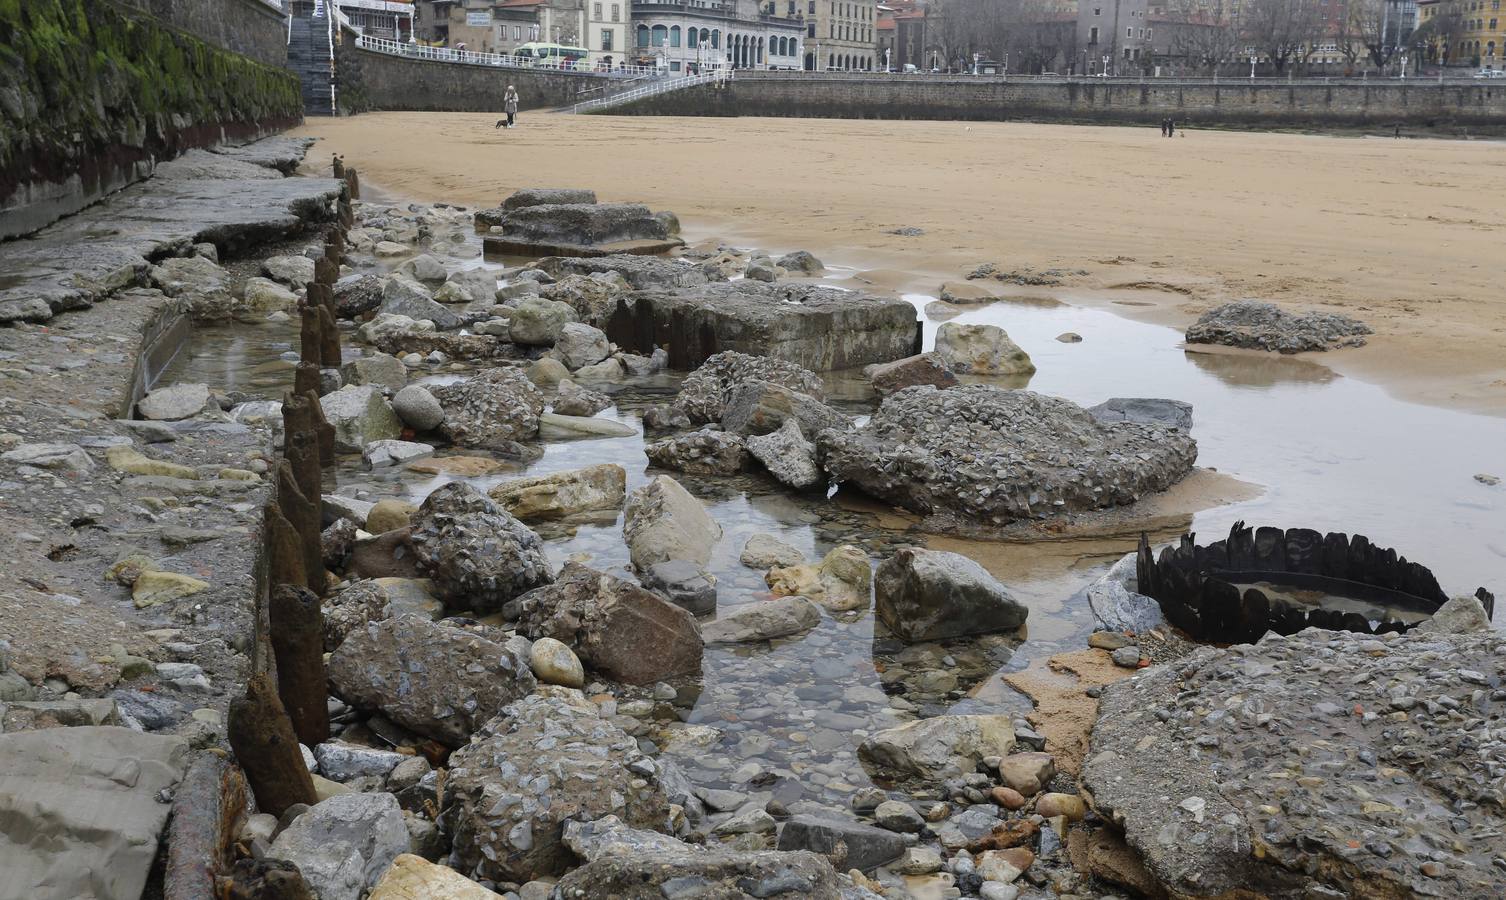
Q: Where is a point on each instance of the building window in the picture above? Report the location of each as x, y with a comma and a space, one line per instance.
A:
692, 38
1093, 35
810, 30
616, 12
643, 35
674, 66
1098, 11
1129, 32
517, 32
812, 8
597, 10
674, 36
606, 39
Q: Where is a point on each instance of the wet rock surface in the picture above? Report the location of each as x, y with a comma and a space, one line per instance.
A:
927, 595
1355, 764
494, 407
477, 554
636, 863
1266, 326
705, 394
546, 760
440, 681
617, 628
817, 327
982, 456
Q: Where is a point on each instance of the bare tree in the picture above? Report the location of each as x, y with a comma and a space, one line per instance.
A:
1281, 29
1376, 25
1204, 33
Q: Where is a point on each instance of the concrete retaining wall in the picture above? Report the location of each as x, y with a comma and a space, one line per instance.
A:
366, 80
1473, 107
249, 27
88, 111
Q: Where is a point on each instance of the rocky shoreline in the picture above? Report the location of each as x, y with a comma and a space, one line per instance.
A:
505, 721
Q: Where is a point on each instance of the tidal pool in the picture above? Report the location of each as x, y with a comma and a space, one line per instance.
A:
1323, 451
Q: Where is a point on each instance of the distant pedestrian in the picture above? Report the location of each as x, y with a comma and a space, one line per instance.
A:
1171, 127
510, 101
1398, 129
1163, 126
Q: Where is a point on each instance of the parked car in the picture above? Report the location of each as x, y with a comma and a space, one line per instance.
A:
1491, 73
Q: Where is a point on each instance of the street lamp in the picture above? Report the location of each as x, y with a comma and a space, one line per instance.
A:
887, 68
1252, 66
1105, 70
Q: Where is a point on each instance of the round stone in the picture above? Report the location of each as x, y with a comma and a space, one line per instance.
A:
554, 663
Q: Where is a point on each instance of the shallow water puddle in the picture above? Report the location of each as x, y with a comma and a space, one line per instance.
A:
1330, 453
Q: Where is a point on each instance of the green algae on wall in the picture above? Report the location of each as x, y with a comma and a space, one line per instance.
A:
92, 93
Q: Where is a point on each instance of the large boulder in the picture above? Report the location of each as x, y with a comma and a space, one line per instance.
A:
81, 810
536, 321
618, 629
760, 407
849, 845
841, 581
469, 286
357, 294
976, 455
360, 415
548, 759
580, 345
381, 369
1145, 410
593, 297
202, 284
476, 553
981, 350
931, 595
372, 600
638, 272
1266, 326
938, 747
1321, 764
418, 408
423, 268
174, 402
561, 494
704, 452
547, 197
574, 400
663, 521
705, 392
764, 620
293, 271
440, 681
800, 262
634, 864
344, 844
405, 297
415, 878
263, 296
788, 456
811, 325
582, 224
925, 368
491, 409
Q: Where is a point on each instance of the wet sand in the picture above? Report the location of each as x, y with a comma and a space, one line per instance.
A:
1404, 234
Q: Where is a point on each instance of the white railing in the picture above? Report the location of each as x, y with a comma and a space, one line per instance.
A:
500, 60
650, 90
329, 30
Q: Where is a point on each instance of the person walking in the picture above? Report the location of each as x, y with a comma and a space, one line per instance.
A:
1163, 126
510, 103
1171, 127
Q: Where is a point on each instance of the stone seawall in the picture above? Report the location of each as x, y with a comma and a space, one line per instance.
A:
251, 28
1451, 107
367, 80
98, 93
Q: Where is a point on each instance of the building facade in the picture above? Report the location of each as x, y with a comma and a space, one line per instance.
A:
1114, 37
1465, 32
685, 36
500, 26
839, 34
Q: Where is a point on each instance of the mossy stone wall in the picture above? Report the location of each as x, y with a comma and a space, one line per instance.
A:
93, 94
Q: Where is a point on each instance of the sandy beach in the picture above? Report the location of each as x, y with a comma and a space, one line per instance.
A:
1404, 234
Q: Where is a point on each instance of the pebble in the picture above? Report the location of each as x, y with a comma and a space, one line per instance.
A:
1128, 657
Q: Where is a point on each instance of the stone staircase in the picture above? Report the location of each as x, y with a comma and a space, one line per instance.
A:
308, 55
